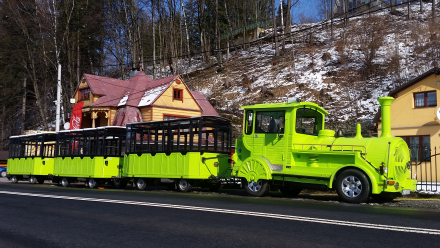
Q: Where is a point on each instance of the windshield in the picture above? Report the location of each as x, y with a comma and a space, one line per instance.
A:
308, 121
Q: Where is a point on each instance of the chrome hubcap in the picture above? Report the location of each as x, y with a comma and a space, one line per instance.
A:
64, 182
92, 183
183, 184
255, 186
140, 184
351, 186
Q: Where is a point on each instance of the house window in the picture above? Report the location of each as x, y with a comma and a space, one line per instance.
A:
425, 99
178, 94
173, 117
419, 146
84, 94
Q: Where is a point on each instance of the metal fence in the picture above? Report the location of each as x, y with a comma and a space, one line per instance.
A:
424, 168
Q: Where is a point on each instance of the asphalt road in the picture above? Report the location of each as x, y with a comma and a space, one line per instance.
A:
51, 216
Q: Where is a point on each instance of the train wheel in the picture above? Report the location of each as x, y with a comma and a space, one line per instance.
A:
214, 187
353, 186
92, 183
141, 184
258, 188
183, 185
65, 182
33, 179
40, 180
14, 179
289, 191
120, 183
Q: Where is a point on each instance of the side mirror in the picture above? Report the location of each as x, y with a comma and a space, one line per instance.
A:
279, 131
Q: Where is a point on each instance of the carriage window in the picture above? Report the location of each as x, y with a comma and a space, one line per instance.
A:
308, 121
249, 118
269, 122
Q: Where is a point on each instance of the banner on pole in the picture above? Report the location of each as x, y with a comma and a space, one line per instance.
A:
76, 116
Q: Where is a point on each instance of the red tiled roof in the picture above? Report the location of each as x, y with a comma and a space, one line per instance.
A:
207, 108
113, 90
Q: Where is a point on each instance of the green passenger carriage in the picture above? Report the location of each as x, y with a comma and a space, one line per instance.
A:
181, 152
285, 144
92, 155
31, 157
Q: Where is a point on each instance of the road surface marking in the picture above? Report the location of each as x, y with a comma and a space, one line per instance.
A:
238, 212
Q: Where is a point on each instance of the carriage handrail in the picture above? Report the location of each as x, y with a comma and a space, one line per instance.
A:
333, 145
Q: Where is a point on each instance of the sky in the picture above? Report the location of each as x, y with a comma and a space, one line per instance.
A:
306, 7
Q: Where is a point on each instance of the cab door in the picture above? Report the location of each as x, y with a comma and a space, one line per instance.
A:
269, 140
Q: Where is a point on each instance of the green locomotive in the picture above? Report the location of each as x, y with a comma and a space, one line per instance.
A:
285, 144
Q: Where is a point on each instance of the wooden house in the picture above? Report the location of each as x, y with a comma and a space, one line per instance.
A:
113, 102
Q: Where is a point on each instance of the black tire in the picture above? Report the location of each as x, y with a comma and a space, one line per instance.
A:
32, 179
183, 185
92, 183
120, 183
65, 182
353, 186
381, 198
257, 189
3, 174
141, 184
289, 191
40, 180
14, 179
214, 187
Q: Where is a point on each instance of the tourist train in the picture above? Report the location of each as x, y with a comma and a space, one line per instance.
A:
283, 146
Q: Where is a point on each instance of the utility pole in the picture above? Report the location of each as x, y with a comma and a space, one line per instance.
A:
57, 123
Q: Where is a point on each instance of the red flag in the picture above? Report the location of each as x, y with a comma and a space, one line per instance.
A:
76, 116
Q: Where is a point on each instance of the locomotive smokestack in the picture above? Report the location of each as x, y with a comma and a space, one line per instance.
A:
385, 104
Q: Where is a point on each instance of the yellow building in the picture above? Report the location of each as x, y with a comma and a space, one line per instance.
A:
106, 101
415, 116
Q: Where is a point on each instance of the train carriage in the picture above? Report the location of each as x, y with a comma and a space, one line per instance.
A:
92, 155
31, 157
182, 152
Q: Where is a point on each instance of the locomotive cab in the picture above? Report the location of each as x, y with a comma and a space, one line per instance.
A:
286, 145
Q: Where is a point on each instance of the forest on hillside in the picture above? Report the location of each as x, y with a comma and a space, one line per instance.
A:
169, 37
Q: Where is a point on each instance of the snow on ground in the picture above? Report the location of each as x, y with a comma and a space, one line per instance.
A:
429, 188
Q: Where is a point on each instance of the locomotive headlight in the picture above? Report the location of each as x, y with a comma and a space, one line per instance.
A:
215, 164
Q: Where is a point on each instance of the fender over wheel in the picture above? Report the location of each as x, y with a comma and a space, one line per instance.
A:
141, 184
353, 186
256, 188
65, 182
183, 185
